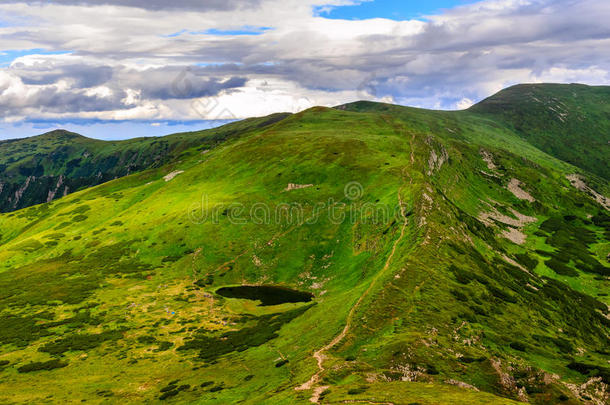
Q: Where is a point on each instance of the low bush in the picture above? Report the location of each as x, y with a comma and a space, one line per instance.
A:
356, 391
168, 394
42, 365
80, 342
518, 346
281, 363
591, 369
211, 347
460, 296
560, 268
527, 261
498, 293
163, 346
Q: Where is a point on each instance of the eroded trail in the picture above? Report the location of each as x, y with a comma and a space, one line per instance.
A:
411, 143
319, 355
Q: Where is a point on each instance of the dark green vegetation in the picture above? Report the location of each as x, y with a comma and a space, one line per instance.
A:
42, 365
464, 267
571, 122
264, 329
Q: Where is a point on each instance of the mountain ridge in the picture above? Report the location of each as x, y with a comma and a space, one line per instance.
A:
444, 259
576, 113
32, 185
41, 168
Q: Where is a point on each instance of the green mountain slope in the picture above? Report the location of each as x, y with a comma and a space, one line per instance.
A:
439, 257
570, 122
43, 168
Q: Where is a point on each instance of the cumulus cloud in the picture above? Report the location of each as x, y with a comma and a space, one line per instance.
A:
464, 104
179, 83
186, 60
153, 4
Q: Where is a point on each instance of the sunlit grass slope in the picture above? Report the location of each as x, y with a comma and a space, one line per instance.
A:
570, 122
450, 261
46, 167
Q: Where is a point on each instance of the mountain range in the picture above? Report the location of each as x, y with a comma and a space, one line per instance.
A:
368, 253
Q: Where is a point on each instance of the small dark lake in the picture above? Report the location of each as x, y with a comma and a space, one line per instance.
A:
266, 294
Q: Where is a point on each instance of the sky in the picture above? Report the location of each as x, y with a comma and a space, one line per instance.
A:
392, 9
115, 69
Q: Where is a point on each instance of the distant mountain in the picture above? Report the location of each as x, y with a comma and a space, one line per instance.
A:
43, 168
370, 253
570, 122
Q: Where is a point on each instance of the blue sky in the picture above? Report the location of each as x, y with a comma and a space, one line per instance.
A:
106, 130
8, 56
232, 32
392, 9
155, 67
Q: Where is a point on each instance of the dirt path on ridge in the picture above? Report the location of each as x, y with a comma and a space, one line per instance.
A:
319, 354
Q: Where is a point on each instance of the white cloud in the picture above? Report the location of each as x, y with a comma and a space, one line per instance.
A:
122, 63
559, 74
464, 104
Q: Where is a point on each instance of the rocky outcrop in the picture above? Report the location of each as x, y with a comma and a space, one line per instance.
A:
52, 193
578, 182
21, 190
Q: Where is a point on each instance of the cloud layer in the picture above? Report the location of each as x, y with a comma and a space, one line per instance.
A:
200, 5
188, 60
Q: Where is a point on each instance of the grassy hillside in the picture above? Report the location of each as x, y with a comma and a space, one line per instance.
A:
424, 257
570, 122
43, 168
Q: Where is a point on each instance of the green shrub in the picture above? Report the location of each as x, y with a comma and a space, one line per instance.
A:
431, 369
544, 253
552, 224
164, 346
527, 261
281, 363
591, 369
518, 346
168, 394
211, 347
498, 293
209, 280
467, 359
80, 342
44, 365
356, 391
169, 387
21, 330
460, 296
560, 268
146, 339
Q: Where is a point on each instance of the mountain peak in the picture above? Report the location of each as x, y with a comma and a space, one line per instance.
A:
62, 134
569, 121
